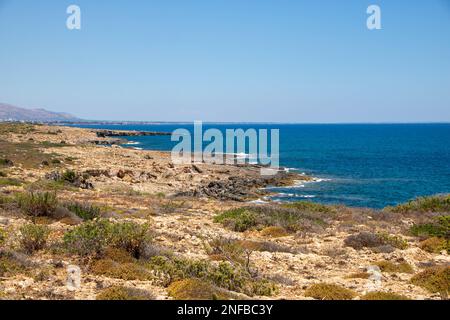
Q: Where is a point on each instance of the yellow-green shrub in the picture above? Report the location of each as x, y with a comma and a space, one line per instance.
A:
378, 295
196, 289
390, 267
33, 237
124, 293
434, 279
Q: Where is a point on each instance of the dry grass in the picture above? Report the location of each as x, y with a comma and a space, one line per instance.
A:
124, 293
378, 295
390, 267
326, 291
196, 289
434, 279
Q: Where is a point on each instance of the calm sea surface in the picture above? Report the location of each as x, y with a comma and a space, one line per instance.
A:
357, 165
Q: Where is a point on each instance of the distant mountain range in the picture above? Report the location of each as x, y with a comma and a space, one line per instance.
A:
13, 113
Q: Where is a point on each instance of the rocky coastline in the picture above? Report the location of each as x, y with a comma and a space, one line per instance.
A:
191, 231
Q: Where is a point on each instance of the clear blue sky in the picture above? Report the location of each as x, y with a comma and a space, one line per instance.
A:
229, 60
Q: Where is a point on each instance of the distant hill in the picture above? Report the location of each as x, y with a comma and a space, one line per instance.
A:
13, 113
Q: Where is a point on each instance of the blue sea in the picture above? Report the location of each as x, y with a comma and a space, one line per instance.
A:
360, 165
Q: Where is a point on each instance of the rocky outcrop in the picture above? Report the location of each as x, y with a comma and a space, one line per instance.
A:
70, 177
119, 133
237, 188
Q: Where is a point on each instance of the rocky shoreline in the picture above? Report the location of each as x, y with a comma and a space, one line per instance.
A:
128, 133
197, 234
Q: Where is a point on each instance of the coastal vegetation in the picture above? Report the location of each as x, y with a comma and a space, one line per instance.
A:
292, 218
379, 295
33, 237
140, 227
439, 203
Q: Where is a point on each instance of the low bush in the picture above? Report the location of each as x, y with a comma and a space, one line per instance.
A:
131, 236
226, 249
435, 245
439, 227
326, 291
3, 174
310, 207
424, 204
394, 241
84, 210
224, 275
390, 267
12, 263
118, 270
274, 232
196, 289
69, 176
237, 219
374, 240
291, 219
93, 237
33, 237
434, 279
10, 182
90, 238
378, 295
124, 293
38, 204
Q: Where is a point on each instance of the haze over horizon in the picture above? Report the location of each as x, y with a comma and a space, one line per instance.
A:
229, 61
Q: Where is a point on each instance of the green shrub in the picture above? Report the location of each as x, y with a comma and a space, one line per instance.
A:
378, 295
93, 237
176, 268
394, 241
124, 293
291, 219
69, 176
224, 275
424, 204
38, 204
434, 279
84, 211
310, 207
131, 236
440, 227
33, 237
226, 249
326, 291
3, 174
238, 219
10, 182
90, 238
